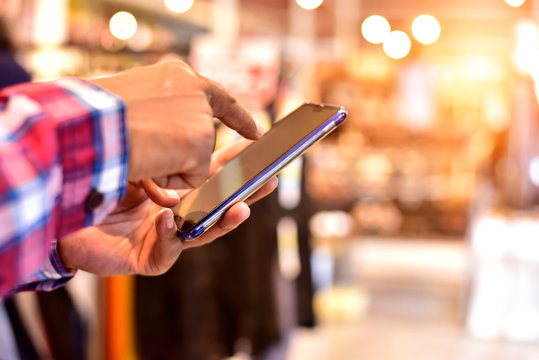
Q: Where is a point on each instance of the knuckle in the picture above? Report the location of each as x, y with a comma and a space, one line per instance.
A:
178, 72
172, 65
232, 101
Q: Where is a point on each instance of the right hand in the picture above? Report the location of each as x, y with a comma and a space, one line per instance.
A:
170, 111
139, 236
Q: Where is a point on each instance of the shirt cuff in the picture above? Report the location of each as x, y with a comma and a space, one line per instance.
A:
50, 276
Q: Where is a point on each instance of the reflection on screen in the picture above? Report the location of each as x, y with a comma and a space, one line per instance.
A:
252, 161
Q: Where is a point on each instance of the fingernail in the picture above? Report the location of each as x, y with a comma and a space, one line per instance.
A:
170, 219
171, 193
246, 211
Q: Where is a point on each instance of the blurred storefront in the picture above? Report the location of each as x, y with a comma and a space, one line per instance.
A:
411, 232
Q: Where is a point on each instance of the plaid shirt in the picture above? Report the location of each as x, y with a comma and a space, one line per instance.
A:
63, 166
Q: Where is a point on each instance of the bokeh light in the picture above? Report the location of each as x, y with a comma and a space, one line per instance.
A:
426, 29
375, 28
309, 4
123, 25
397, 45
515, 3
526, 54
179, 6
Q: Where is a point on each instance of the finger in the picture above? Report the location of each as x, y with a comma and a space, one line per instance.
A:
227, 109
219, 158
225, 154
168, 246
234, 216
160, 196
172, 182
264, 191
161, 181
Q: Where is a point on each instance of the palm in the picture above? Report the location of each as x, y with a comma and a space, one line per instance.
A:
126, 240
130, 229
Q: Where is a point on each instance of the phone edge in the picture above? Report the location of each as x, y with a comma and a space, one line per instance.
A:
318, 134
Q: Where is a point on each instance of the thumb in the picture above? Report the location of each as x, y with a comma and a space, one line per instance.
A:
168, 244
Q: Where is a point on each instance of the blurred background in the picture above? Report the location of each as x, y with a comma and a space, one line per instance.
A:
412, 232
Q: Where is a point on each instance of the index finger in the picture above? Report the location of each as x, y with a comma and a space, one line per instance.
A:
226, 153
227, 109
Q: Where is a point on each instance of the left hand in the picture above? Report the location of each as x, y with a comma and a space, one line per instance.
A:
139, 237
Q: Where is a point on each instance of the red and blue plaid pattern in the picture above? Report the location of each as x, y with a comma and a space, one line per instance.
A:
59, 141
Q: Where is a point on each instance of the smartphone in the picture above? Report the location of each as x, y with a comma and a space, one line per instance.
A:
236, 180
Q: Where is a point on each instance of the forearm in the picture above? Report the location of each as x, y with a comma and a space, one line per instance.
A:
63, 166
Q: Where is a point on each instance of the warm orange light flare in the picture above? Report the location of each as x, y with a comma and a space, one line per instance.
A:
309, 4
515, 3
179, 6
426, 29
375, 28
397, 45
526, 54
123, 25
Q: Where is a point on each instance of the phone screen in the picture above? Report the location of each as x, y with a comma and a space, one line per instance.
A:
251, 162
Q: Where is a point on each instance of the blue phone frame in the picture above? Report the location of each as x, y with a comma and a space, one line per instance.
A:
316, 135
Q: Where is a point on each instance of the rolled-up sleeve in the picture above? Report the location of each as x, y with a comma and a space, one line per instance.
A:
63, 166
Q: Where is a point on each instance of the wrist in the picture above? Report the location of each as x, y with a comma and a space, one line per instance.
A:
65, 254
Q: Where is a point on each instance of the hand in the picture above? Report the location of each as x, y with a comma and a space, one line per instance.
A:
170, 111
139, 237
